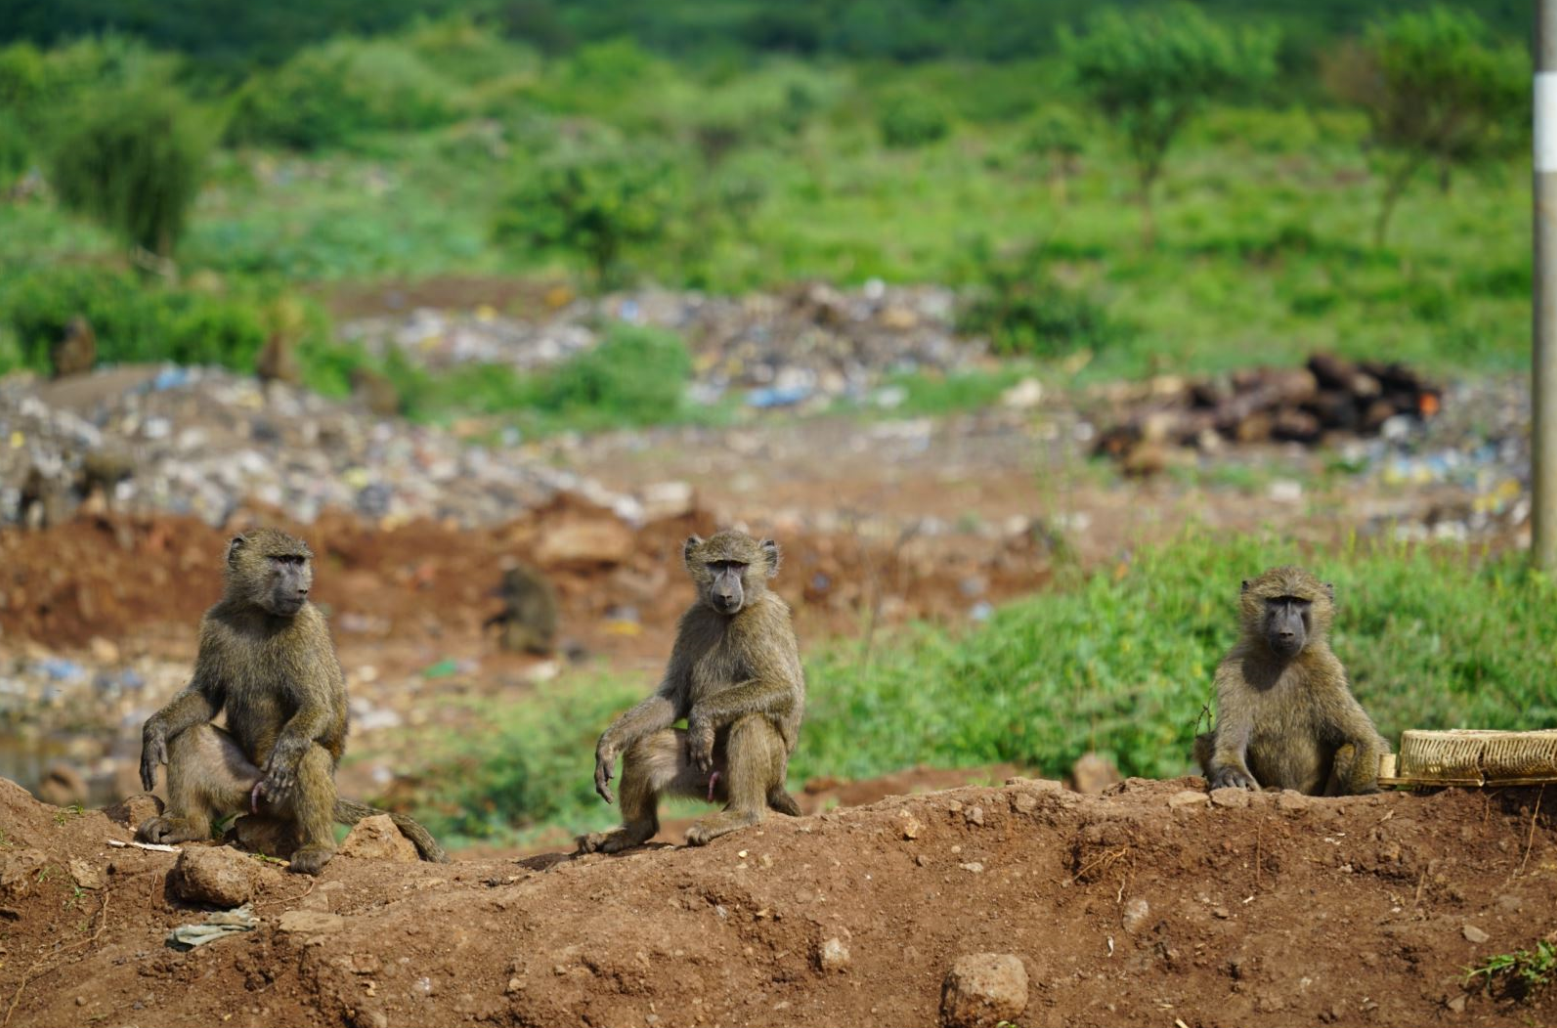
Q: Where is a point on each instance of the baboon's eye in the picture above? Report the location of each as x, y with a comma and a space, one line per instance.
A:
288, 560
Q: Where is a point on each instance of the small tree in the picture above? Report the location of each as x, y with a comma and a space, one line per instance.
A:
1435, 90
595, 200
134, 162
1149, 73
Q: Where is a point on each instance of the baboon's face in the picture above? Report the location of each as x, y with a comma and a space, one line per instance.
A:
731, 569
290, 577
727, 586
271, 570
1288, 622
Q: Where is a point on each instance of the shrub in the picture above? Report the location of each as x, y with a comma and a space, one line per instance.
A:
1025, 311
912, 119
594, 201
327, 95
134, 162
1149, 72
637, 375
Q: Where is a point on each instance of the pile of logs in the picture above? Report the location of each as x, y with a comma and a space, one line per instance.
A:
1327, 396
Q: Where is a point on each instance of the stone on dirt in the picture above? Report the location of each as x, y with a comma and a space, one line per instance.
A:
1187, 798
377, 838
983, 989
1474, 934
1092, 774
216, 875
833, 955
311, 922
1230, 797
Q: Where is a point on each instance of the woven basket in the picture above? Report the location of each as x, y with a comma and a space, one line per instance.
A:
1471, 757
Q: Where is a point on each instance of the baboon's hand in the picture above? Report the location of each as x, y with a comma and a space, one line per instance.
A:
280, 774
1233, 778
605, 760
154, 751
700, 744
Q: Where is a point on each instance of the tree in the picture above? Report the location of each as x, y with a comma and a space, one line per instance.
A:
1150, 72
134, 162
594, 199
1435, 90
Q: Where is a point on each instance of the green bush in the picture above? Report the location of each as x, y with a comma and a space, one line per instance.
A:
1149, 72
640, 375
134, 321
594, 200
1436, 89
1025, 311
134, 162
912, 119
328, 95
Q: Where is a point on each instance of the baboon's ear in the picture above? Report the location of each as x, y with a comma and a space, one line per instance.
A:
1330, 591
1245, 587
234, 546
693, 542
771, 550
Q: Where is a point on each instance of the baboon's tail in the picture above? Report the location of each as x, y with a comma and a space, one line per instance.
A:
349, 813
783, 802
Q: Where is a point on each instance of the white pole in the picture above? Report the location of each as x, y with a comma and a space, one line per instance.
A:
1543, 385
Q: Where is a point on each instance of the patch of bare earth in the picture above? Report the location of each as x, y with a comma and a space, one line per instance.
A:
1147, 905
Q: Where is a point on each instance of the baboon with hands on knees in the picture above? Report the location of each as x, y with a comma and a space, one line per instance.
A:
1285, 717
266, 660
735, 675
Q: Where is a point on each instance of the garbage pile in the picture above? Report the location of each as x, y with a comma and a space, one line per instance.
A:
206, 442
1328, 398
813, 341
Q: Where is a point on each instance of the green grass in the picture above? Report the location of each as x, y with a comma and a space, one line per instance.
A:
1264, 216
1119, 661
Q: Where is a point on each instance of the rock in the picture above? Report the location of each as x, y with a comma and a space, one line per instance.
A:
103, 651
974, 815
1135, 914
132, 810
1092, 774
599, 541
19, 870
911, 825
1187, 798
833, 955
1230, 797
1291, 799
217, 875
1025, 395
1474, 934
666, 500
1456, 1004
311, 922
85, 875
377, 838
63, 786
983, 989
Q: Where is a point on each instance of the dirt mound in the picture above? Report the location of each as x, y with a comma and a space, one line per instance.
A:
1143, 906
113, 576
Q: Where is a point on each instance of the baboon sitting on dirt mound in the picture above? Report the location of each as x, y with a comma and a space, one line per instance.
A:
1285, 718
735, 675
266, 659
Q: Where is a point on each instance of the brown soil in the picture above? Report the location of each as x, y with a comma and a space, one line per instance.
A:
116, 577
1124, 909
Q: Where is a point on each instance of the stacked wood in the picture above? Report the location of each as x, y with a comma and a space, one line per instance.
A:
1327, 397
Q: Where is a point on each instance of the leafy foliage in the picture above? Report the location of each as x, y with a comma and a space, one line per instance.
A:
1017, 302
330, 95
594, 200
1148, 73
1521, 971
1435, 89
134, 162
911, 119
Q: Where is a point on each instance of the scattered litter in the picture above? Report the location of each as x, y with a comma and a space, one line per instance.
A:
217, 925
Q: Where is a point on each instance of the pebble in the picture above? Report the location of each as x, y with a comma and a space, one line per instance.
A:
833, 955
217, 875
1474, 934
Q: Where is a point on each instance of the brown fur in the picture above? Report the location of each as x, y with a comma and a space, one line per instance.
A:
265, 659
735, 675
1288, 721
76, 352
529, 617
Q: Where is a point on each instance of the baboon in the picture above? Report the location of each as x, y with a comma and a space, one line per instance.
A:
529, 615
735, 675
1285, 718
277, 360
76, 351
265, 658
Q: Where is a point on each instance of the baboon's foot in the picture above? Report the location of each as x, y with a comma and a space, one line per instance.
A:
310, 860
165, 831
712, 827
783, 802
618, 839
